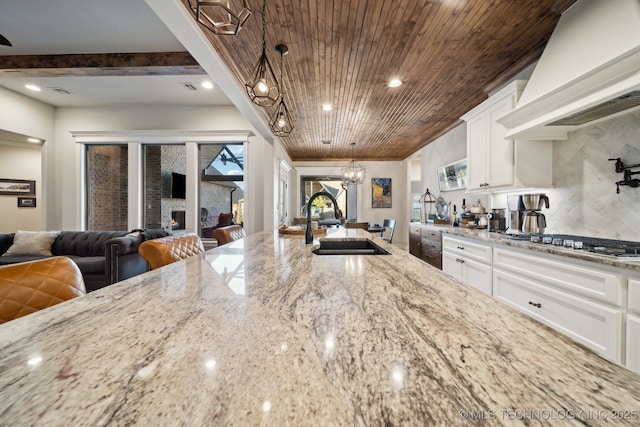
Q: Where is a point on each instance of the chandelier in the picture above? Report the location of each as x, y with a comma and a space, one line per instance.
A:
222, 18
354, 172
263, 88
281, 123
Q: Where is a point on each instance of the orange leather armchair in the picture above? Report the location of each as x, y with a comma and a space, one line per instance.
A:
166, 250
228, 234
27, 287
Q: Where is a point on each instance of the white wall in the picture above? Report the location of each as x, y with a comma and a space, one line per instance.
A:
25, 116
20, 161
397, 171
449, 148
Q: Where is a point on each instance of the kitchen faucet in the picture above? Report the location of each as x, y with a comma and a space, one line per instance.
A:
338, 214
633, 183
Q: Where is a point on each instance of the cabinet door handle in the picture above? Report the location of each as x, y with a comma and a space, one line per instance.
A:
535, 304
460, 247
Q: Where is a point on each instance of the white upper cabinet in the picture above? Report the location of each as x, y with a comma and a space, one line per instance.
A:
495, 163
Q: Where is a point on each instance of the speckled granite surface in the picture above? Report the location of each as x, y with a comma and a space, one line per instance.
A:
263, 332
632, 264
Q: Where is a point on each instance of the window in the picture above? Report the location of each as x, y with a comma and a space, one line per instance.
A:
164, 186
107, 187
221, 186
323, 207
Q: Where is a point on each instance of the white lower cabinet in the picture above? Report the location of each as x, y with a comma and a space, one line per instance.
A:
595, 305
633, 327
468, 262
586, 303
595, 325
633, 343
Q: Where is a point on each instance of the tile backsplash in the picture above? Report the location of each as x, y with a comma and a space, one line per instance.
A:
584, 200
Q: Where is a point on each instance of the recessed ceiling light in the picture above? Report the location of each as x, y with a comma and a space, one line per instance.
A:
327, 107
34, 140
32, 87
207, 84
395, 83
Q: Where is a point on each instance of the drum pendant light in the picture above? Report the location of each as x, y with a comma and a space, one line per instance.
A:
222, 18
263, 88
281, 123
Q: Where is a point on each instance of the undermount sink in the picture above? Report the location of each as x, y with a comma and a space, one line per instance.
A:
349, 247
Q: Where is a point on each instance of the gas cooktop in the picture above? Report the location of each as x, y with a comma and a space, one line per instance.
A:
617, 248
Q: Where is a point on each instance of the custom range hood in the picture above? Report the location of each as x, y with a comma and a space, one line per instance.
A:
589, 69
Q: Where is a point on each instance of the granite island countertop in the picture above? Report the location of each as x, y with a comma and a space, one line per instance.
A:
263, 332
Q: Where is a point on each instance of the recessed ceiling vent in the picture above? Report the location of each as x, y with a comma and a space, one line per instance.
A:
189, 86
60, 90
613, 106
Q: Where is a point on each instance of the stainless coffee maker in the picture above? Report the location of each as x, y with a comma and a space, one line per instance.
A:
534, 221
516, 213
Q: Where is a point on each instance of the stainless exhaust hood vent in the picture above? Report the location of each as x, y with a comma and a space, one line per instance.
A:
590, 69
605, 109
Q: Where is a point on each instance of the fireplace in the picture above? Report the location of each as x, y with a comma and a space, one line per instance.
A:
177, 220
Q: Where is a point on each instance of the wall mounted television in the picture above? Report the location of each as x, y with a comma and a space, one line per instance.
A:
178, 186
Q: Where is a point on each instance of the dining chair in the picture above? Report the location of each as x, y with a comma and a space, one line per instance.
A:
27, 287
389, 226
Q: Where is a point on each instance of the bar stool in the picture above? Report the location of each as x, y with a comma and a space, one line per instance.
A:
167, 250
388, 224
228, 234
27, 287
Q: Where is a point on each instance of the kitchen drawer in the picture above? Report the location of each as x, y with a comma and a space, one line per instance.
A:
634, 296
414, 241
431, 247
592, 324
469, 250
562, 273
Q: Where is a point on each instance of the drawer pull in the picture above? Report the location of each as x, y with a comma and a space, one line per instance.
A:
535, 304
460, 247
460, 260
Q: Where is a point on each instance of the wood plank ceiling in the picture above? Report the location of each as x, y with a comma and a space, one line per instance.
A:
448, 53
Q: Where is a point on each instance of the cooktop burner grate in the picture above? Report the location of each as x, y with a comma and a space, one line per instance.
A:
610, 247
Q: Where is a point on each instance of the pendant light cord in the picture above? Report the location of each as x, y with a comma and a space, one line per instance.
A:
281, 80
264, 13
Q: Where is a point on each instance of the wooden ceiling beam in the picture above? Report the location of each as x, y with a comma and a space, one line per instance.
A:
100, 64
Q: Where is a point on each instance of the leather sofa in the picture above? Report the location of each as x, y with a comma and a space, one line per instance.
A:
103, 257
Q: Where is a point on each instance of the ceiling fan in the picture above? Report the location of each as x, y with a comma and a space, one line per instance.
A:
4, 41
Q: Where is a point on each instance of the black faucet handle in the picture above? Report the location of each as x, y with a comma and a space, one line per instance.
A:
619, 164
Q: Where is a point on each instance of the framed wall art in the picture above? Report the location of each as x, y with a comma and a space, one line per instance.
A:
26, 202
380, 192
453, 176
17, 187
